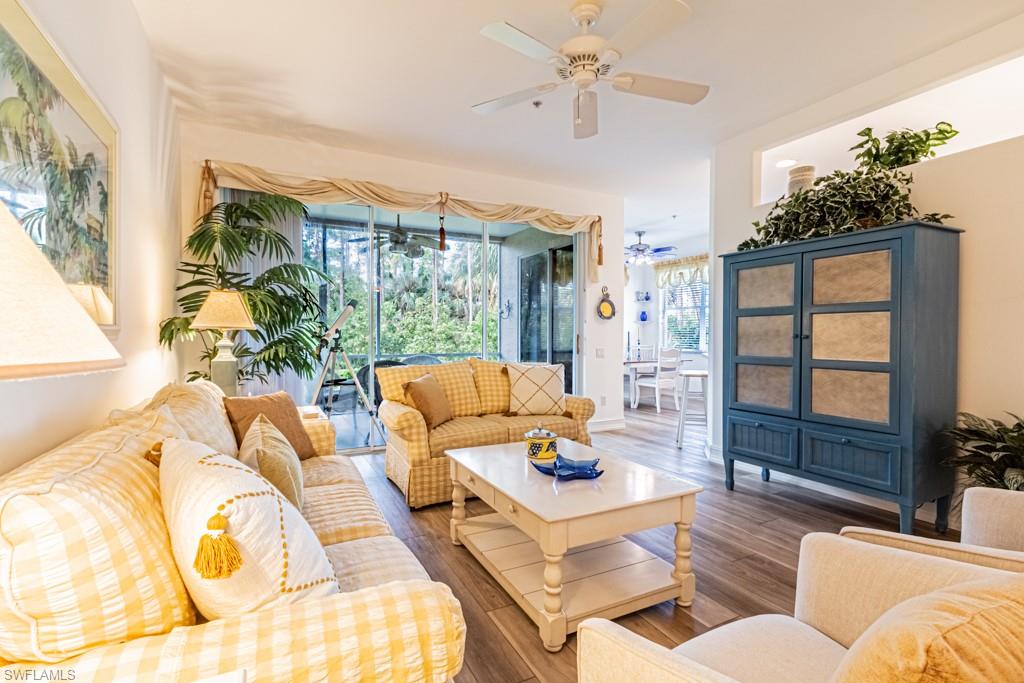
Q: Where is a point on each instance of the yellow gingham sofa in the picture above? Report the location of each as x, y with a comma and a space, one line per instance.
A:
478, 392
390, 622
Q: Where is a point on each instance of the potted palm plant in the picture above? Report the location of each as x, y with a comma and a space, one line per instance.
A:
283, 299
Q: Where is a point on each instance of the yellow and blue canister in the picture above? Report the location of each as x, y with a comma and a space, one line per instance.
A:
541, 445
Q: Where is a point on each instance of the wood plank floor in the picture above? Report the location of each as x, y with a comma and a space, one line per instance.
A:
745, 547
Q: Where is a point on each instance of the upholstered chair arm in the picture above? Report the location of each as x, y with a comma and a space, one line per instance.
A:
400, 631
992, 518
407, 422
322, 433
844, 585
1007, 560
581, 409
609, 653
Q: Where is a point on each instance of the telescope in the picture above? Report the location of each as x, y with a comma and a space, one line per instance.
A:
332, 340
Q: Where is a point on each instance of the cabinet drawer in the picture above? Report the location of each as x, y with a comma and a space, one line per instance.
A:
472, 482
874, 464
772, 442
529, 523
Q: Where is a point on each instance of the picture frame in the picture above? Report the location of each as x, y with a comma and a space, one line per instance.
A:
58, 163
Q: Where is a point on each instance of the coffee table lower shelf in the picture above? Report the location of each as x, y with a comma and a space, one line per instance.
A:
606, 579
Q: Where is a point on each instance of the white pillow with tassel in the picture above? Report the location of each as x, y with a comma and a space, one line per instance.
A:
239, 544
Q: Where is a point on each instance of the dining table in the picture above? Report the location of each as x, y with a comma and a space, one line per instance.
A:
641, 366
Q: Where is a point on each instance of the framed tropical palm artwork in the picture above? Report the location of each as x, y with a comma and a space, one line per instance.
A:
57, 157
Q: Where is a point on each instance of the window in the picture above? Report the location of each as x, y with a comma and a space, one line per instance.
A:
685, 304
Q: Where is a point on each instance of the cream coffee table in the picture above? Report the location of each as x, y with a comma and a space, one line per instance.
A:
556, 547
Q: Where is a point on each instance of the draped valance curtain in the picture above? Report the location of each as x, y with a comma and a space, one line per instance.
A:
343, 191
686, 270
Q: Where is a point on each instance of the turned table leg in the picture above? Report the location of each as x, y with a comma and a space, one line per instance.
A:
683, 568
458, 510
552, 629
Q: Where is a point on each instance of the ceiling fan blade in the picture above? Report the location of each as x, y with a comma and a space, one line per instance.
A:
427, 242
523, 43
660, 88
657, 19
513, 98
584, 114
663, 250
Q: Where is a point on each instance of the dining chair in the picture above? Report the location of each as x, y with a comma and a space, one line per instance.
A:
684, 384
665, 373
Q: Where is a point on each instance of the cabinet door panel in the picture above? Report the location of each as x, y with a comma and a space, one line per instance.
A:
766, 286
762, 332
851, 336
851, 394
767, 336
851, 317
852, 278
769, 386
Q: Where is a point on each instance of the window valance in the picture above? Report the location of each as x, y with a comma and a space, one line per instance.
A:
685, 270
343, 191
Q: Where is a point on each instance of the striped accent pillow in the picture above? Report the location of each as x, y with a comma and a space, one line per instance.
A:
85, 559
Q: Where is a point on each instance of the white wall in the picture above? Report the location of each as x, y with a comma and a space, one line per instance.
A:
104, 44
602, 339
980, 194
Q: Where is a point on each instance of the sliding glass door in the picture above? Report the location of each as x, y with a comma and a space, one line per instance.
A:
498, 291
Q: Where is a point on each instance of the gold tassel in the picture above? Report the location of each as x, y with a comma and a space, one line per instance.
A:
217, 556
600, 253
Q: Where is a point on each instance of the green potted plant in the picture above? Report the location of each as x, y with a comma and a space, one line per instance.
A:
990, 452
875, 193
283, 300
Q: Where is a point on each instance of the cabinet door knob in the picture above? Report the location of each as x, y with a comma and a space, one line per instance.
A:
512, 508
805, 336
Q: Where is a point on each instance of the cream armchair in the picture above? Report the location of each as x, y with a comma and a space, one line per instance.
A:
844, 584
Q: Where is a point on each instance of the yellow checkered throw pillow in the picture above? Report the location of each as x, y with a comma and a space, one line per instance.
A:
85, 552
536, 389
455, 378
492, 384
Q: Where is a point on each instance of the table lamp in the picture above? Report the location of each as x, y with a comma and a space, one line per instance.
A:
95, 302
224, 310
45, 331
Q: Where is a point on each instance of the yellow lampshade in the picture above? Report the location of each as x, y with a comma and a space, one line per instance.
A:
44, 330
223, 310
95, 302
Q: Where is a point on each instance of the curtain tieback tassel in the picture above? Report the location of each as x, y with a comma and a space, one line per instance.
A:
217, 556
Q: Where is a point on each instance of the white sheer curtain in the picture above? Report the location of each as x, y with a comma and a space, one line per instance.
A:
292, 229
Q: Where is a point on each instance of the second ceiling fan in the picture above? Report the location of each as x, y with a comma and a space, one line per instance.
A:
588, 58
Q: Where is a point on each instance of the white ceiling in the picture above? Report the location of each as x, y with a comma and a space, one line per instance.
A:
399, 77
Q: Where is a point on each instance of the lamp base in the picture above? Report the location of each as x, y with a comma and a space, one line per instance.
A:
224, 368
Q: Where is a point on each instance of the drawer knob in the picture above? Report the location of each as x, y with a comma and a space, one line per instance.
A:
512, 508
846, 441
757, 425
471, 480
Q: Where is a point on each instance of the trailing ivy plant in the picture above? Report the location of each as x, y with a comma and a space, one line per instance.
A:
990, 452
876, 193
283, 300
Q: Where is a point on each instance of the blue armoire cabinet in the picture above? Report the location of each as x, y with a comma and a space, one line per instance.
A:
840, 359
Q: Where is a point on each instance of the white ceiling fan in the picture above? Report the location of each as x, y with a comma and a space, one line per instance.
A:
641, 254
588, 58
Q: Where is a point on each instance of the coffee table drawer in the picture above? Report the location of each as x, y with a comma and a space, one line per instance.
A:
480, 488
528, 523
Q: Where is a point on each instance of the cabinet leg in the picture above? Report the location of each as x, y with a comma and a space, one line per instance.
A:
766, 474
730, 473
907, 518
942, 514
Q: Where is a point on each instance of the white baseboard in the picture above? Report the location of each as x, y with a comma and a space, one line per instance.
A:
606, 425
925, 513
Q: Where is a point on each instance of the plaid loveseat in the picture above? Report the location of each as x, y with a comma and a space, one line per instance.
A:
478, 392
